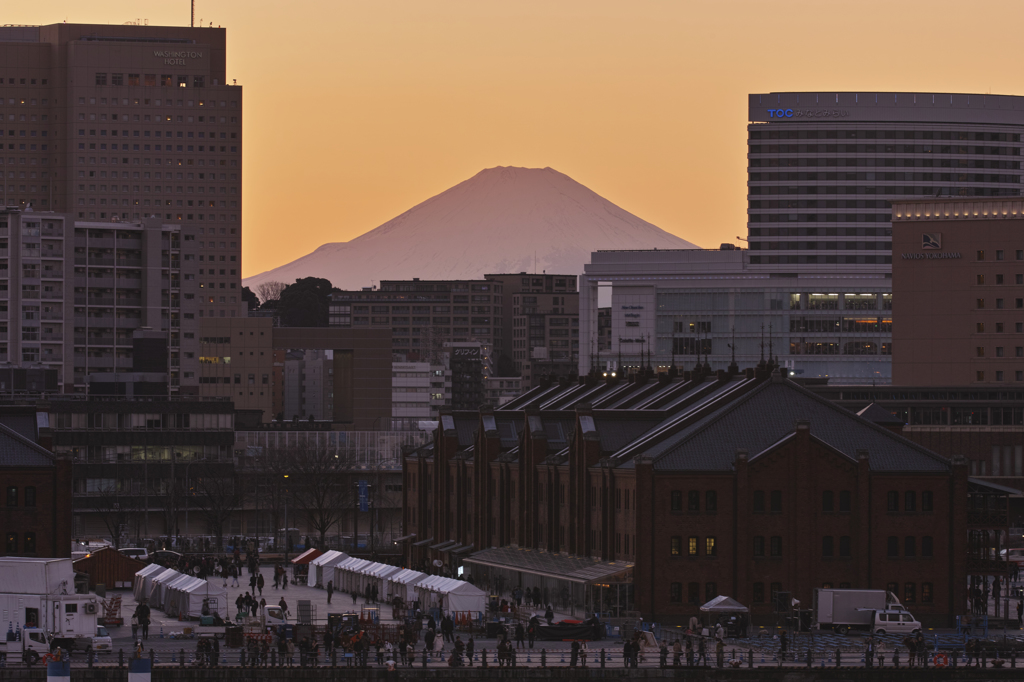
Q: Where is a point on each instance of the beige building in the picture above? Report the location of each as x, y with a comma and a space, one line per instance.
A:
958, 292
126, 122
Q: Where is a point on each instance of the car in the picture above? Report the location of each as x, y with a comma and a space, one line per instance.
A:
165, 555
139, 553
893, 621
1016, 555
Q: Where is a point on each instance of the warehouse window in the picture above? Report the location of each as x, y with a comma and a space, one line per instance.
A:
675, 593
893, 547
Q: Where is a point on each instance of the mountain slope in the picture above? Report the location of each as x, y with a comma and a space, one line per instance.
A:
502, 219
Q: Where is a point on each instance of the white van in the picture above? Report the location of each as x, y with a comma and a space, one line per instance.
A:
895, 622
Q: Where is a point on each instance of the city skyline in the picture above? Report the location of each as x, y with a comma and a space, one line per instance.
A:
602, 92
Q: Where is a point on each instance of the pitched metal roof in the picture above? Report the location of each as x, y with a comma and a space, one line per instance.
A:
575, 569
764, 416
18, 451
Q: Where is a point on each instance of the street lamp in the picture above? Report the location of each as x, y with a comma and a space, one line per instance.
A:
188, 489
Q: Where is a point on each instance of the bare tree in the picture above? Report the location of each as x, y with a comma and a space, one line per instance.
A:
317, 485
118, 511
217, 497
270, 291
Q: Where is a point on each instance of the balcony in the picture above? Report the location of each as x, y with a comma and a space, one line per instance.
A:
100, 262
129, 262
101, 243
50, 337
100, 282
52, 316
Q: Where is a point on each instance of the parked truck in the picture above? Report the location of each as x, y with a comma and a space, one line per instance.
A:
843, 610
32, 645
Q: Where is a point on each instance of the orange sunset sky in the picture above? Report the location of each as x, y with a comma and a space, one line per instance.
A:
356, 111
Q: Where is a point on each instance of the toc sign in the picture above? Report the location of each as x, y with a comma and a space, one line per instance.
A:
807, 113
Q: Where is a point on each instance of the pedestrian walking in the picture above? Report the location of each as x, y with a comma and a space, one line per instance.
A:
135, 626
702, 651
1020, 613
583, 653
574, 653
330, 590
260, 582
519, 636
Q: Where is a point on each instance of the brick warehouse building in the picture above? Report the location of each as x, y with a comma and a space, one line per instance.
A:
658, 494
35, 511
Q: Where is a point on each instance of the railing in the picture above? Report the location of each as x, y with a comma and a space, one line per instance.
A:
991, 519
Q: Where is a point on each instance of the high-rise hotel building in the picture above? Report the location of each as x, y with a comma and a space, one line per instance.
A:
814, 285
108, 123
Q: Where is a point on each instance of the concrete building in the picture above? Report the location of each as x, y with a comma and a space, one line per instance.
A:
75, 292
129, 121
419, 390
695, 306
959, 276
424, 315
501, 390
309, 384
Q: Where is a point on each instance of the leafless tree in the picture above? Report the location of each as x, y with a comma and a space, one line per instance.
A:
118, 510
270, 291
217, 497
432, 345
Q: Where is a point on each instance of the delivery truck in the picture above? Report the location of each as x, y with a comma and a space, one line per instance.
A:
842, 610
70, 619
27, 646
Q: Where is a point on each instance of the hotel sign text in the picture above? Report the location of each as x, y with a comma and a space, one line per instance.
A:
177, 57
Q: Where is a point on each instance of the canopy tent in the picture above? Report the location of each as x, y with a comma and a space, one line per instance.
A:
142, 580
377, 574
347, 576
316, 572
307, 556
723, 604
402, 584
158, 587
170, 605
192, 597
450, 595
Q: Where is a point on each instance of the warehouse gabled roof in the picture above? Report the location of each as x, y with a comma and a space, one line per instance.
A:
18, 451
575, 569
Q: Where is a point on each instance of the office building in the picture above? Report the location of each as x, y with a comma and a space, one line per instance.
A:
424, 315
958, 276
823, 168
418, 392
694, 307
73, 293
541, 326
129, 122
308, 384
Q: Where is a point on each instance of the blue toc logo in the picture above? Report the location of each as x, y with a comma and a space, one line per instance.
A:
780, 113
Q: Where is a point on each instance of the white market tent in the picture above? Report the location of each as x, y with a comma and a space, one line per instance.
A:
723, 604
330, 569
450, 595
143, 579
191, 597
158, 587
377, 573
315, 577
171, 592
347, 576
401, 584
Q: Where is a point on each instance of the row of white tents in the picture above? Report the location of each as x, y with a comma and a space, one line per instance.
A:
351, 574
177, 593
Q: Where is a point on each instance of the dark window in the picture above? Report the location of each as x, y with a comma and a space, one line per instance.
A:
676, 547
844, 545
827, 501
910, 501
30, 496
894, 588
827, 545
711, 501
927, 546
758, 593
12, 496
12, 543
776, 545
710, 547
927, 502
710, 591
677, 500
693, 593
693, 501
758, 501
844, 501
776, 501
893, 546
30, 543
758, 545
775, 589
893, 501
926, 593
910, 546
909, 593
675, 593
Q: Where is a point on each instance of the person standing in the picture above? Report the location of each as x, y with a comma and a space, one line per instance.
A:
144, 619
470, 647
783, 646
330, 591
574, 653
520, 644
260, 582
135, 625
1020, 613
583, 653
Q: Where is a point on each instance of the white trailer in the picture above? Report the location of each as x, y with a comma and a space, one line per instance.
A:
845, 610
70, 619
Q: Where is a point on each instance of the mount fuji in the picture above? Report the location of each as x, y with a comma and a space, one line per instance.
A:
502, 220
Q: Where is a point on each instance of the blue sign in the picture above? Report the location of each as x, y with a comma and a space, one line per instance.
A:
780, 113
364, 496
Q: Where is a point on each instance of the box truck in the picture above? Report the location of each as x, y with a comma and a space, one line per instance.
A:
845, 610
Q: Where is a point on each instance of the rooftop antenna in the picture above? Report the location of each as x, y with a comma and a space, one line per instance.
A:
733, 367
761, 364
